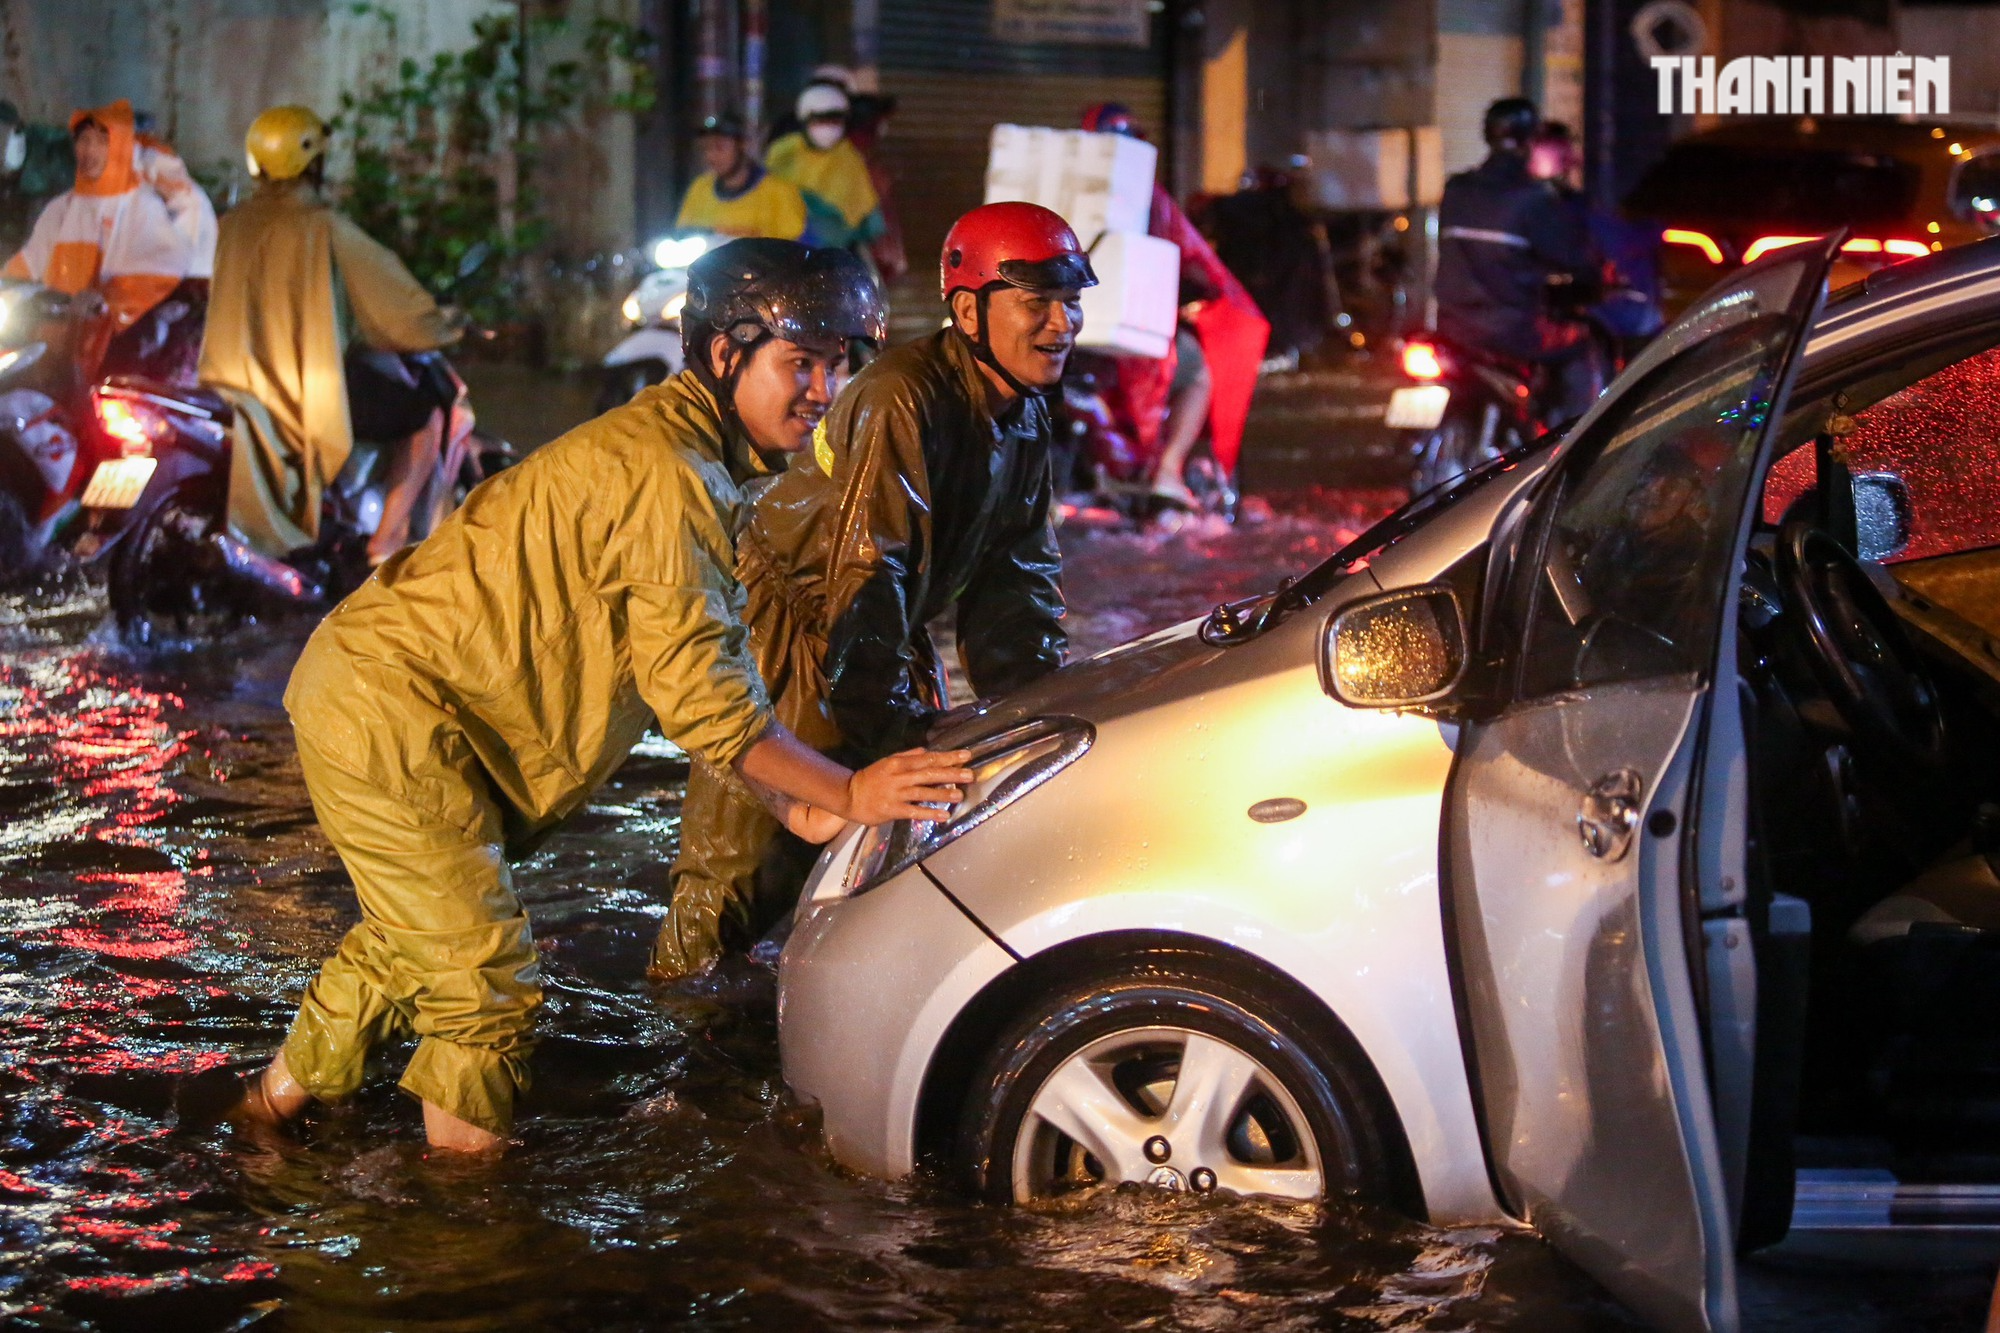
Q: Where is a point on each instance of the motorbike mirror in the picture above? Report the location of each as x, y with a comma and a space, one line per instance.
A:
1399, 649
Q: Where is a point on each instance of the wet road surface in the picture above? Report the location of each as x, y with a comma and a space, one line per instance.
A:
165, 895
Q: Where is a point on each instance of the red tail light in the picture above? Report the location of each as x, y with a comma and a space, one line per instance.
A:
133, 425
1859, 245
1701, 241
1420, 361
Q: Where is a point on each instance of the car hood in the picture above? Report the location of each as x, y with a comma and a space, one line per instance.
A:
1157, 671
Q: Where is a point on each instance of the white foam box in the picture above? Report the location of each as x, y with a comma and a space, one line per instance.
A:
1136, 301
1370, 169
1107, 183
1098, 182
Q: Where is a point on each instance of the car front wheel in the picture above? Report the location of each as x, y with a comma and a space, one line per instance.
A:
1173, 1079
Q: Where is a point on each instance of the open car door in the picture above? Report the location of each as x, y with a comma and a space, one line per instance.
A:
1575, 859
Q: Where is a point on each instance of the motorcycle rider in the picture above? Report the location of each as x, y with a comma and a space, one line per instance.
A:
297, 287
481, 685
842, 207
928, 490
1629, 310
737, 196
1503, 236
1211, 375
109, 233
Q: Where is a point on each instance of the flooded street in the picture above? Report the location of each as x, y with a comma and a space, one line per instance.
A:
165, 895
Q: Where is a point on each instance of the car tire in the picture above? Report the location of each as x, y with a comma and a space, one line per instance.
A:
1308, 1106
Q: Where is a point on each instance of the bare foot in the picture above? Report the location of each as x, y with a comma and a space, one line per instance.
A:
271, 1100
448, 1132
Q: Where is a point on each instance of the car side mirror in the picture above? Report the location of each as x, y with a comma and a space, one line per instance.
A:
1397, 650
1882, 522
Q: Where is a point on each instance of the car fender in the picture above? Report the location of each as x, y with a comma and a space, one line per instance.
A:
1383, 976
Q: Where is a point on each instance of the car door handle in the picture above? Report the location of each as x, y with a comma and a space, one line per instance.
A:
1610, 814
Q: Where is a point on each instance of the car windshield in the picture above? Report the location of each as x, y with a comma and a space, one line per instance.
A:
1776, 188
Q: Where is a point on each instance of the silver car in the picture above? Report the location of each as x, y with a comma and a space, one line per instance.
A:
1566, 851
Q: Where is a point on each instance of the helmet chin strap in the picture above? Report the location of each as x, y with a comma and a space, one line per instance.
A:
982, 350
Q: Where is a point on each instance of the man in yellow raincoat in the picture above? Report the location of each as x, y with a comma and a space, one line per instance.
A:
295, 284
482, 684
736, 196
111, 232
842, 207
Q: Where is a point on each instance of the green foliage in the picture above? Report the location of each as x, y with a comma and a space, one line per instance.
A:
443, 153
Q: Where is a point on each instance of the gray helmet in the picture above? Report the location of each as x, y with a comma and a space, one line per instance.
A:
757, 288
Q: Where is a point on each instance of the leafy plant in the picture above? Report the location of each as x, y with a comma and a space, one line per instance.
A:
443, 153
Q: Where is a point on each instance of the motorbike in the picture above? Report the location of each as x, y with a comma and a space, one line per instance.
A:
177, 563
1097, 455
1465, 405
58, 467
652, 350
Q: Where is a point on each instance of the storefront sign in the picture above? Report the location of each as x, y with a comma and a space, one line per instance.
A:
1073, 22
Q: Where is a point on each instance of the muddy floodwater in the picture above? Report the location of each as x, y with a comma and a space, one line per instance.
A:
165, 895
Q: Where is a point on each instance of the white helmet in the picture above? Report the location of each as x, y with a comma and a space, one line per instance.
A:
820, 99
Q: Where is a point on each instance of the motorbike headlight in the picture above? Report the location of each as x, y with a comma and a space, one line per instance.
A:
679, 251
631, 309
1006, 766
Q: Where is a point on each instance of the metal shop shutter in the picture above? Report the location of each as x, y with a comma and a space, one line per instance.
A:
954, 82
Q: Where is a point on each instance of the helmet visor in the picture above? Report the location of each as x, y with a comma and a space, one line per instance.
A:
1064, 272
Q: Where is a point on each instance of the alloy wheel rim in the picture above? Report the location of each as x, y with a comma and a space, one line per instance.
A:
1170, 1107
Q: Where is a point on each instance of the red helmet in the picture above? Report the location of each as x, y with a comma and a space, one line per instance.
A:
1022, 245
1112, 118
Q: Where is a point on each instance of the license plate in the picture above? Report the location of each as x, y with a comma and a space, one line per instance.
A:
118, 483
1417, 407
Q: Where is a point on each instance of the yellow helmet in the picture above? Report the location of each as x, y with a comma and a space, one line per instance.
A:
284, 141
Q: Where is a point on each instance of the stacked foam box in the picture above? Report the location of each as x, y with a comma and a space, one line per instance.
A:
1102, 184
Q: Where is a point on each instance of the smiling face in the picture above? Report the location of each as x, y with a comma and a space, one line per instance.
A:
783, 390
1031, 332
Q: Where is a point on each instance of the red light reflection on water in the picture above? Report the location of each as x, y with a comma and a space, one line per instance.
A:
100, 738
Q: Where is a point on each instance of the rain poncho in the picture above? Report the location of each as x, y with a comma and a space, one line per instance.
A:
767, 206
476, 690
294, 283
187, 203
113, 233
1232, 332
842, 207
914, 501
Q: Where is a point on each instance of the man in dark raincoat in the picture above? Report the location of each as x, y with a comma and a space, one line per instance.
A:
928, 489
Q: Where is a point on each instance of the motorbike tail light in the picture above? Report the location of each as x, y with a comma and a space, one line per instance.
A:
1420, 361
1701, 241
134, 426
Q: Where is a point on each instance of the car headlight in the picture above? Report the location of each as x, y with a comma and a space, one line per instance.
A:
1006, 766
